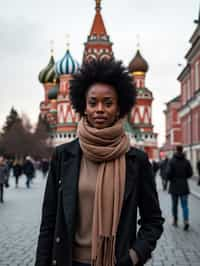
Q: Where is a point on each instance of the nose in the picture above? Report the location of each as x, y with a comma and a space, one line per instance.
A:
100, 108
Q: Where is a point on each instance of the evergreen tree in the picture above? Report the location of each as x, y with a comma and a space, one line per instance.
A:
42, 128
42, 147
11, 119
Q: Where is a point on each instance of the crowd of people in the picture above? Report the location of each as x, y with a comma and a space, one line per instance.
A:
18, 167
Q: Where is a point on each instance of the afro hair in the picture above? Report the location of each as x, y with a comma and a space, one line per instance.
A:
109, 72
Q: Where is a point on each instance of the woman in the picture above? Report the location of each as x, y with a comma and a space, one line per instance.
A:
97, 182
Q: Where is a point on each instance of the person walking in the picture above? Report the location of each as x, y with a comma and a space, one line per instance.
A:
2, 178
97, 182
155, 168
17, 171
198, 170
28, 169
178, 171
163, 168
44, 167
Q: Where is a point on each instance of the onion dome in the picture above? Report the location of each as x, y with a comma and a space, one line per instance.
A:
138, 64
48, 73
53, 92
67, 65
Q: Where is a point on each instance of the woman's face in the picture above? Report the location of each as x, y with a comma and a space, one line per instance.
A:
101, 105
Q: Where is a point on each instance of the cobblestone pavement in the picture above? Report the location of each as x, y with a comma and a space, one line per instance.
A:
20, 218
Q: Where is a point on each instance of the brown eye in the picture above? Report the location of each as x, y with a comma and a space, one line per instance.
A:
108, 103
91, 103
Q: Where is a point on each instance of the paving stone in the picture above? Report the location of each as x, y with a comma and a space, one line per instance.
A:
20, 219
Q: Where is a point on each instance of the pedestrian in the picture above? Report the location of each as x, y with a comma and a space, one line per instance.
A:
44, 166
3, 173
97, 182
163, 168
155, 168
17, 171
28, 169
178, 171
7, 173
198, 170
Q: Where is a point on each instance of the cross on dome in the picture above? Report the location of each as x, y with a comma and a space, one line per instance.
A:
98, 4
51, 47
67, 41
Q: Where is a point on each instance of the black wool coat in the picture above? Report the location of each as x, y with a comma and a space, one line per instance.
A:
178, 171
60, 209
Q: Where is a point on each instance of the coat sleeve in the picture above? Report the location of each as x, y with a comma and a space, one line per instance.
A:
151, 221
169, 170
49, 208
189, 170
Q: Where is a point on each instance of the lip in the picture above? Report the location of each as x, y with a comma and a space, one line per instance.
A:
99, 119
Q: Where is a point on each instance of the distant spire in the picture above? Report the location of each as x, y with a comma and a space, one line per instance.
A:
197, 21
67, 41
98, 5
52, 47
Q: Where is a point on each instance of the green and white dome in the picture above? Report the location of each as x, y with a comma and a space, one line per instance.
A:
48, 74
67, 65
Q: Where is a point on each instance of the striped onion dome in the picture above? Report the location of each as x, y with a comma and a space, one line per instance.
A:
48, 73
67, 65
53, 92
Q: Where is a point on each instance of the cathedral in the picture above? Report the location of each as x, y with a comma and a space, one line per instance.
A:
56, 76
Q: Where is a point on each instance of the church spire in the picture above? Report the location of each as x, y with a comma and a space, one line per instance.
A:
98, 45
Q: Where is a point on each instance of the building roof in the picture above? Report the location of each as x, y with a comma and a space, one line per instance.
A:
175, 99
48, 74
138, 63
98, 27
66, 65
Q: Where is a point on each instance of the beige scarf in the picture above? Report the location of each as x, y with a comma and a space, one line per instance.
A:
107, 146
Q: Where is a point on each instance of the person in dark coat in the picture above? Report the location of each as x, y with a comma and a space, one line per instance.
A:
44, 167
163, 168
17, 171
155, 168
3, 172
198, 170
29, 170
178, 171
97, 182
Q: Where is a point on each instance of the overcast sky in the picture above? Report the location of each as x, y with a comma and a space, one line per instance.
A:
27, 26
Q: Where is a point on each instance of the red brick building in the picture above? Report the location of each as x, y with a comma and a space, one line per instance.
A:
189, 110
190, 97
172, 125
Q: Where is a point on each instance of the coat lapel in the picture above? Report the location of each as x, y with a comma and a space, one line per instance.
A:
131, 173
70, 174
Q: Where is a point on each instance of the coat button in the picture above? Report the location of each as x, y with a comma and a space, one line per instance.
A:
54, 262
57, 239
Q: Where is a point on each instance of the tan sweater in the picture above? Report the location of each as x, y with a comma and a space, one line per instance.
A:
87, 184
82, 242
